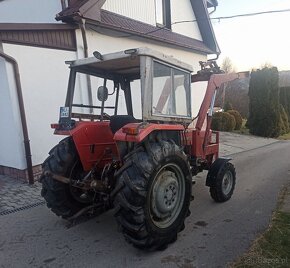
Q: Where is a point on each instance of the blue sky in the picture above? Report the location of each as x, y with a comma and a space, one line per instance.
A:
252, 41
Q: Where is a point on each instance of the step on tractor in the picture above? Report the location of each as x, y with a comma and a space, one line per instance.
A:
134, 146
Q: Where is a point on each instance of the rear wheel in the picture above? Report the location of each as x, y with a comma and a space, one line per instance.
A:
63, 199
153, 197
223, 186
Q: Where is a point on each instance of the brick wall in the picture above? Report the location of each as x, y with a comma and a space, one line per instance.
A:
21, 174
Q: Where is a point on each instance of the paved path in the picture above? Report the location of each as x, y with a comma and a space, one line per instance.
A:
231, 143
15, 194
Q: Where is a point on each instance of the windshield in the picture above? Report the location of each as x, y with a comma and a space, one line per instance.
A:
114, 103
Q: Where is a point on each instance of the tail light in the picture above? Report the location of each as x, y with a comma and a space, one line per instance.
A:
130, 130
54, 126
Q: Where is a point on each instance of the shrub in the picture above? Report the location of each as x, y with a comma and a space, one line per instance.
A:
223, 121
238, 118
285, 99
228, 106
264, 108
284, 120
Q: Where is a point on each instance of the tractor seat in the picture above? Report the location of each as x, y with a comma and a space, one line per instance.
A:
118, 121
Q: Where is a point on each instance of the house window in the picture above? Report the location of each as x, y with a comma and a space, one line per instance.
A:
163, 13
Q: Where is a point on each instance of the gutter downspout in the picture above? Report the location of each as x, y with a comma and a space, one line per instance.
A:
63, 4
86, 54
214, 10
22, 115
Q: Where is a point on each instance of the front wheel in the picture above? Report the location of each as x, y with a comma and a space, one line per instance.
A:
154, 194
223, 186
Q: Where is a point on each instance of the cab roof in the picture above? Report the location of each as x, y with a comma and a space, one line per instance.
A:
124, 63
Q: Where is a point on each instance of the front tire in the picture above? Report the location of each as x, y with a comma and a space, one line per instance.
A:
154, 190
223, 186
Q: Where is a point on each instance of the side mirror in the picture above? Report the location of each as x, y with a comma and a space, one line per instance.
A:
102, 93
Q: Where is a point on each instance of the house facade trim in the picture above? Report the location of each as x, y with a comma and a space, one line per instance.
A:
54, 36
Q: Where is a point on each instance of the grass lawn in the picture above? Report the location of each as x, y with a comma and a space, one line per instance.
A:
243, 130
284, 137
271, 249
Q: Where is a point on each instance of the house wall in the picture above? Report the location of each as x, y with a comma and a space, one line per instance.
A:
11, 141
44, 77
31, 11
133, 9
180, 10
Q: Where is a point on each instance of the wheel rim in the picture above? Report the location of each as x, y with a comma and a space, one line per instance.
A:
167, 195
227, 182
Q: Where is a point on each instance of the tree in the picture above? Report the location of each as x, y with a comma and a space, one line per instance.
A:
285, 99
266, 64
227, 65
264, 107
285, 120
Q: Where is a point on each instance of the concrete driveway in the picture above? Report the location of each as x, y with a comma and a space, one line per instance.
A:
231, 143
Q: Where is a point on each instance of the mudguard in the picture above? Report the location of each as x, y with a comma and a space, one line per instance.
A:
214, 170
137, 132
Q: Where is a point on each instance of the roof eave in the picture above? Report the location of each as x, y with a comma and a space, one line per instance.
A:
116, 29
203, 20
104, 20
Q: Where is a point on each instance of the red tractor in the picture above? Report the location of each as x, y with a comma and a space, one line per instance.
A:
133, 145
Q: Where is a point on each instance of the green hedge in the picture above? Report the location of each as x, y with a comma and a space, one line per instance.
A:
264, 107
285, 99
285, 120
238, 118
223, 121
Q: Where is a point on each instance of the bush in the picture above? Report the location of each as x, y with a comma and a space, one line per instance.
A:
284, 120
264, 108
228, 106
238, 118
223, 121
285, 99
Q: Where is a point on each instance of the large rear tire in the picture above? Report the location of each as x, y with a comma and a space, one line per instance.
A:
63, 160
153, 194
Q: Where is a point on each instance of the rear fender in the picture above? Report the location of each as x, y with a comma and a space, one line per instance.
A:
94, 143
137, 132
214, 170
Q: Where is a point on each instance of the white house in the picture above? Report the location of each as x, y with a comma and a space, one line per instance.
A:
38, 36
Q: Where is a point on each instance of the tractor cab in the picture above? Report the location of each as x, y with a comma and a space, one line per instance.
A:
124, 87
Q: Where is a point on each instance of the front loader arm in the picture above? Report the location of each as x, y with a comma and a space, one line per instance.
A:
211, 72
214, 82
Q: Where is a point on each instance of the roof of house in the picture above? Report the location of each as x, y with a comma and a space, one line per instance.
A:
91, 10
